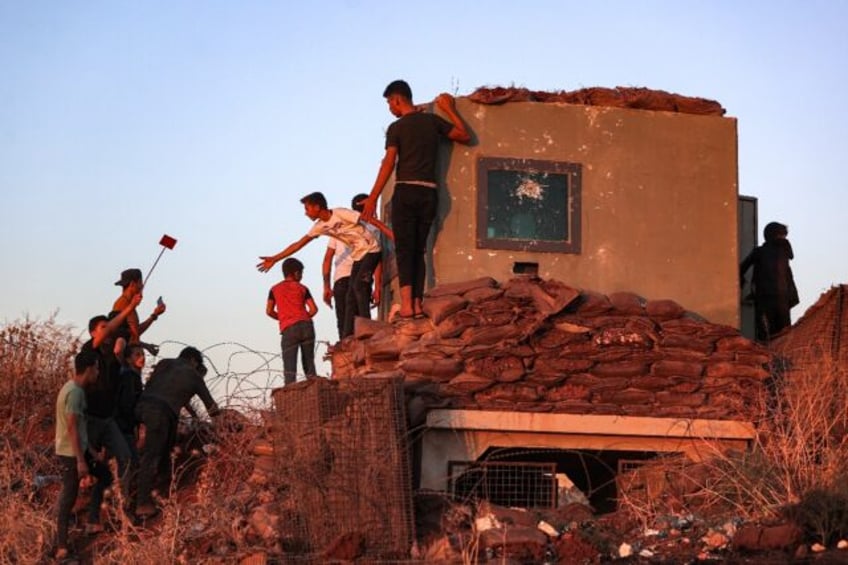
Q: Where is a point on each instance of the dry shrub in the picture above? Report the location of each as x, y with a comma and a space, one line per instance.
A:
796, 468
203, 517
35, 360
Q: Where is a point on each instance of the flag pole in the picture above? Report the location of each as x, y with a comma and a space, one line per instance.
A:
167, 242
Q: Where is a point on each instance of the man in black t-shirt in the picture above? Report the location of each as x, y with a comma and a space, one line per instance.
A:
101, 400
412, 143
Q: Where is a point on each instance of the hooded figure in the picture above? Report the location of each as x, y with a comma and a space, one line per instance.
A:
772, 287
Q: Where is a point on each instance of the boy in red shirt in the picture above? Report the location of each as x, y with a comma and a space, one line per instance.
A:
292, 305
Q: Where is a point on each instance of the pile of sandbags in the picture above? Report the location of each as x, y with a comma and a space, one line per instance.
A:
542, 346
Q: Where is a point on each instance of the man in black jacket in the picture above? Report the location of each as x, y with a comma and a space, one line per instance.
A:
171, 386
773, 286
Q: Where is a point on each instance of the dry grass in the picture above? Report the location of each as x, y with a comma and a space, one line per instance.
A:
796, 469
35, 357
205, 518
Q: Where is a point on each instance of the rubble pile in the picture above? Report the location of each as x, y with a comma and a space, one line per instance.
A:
541, 346
618, 97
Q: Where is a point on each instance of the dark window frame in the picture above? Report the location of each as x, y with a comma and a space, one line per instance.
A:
572, 172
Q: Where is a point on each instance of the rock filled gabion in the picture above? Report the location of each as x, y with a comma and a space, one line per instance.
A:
541, 346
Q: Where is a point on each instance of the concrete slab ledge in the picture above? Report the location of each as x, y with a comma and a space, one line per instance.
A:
495, 420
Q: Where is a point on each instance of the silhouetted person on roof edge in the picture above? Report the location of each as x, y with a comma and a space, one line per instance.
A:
772, 287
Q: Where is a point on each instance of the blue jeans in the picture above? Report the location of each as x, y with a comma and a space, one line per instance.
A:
300, 335
359, 291
104, 432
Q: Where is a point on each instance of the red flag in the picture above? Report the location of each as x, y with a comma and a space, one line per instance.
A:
167, 241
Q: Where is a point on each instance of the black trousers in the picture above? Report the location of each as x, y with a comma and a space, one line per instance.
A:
413, 212
340, 290
359, 290
160, 424
70, 490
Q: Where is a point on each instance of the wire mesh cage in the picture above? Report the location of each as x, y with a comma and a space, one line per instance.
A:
523, 484
343, 467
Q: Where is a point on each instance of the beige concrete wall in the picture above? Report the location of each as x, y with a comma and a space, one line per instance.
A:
659, 201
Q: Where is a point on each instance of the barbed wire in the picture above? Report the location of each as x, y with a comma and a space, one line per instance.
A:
241, 376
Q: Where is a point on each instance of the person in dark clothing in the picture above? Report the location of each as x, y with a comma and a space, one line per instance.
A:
172, 385
772, 286
101, 399
130, 388
412, 143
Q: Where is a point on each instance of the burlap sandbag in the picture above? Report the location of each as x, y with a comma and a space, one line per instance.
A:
667, 398
468, 383
620, 369
502, 368
567, 392
737, 370
454, 325
677, 368
664, 309
736, 343
553, 363
627, 303
459, 288
440, 307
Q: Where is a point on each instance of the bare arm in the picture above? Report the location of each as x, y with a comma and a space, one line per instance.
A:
271, 309
76, 444
446, 103
377, 293
268, 261
160, 309
326, 270
382, 227
311, 307
387, 166
113, 324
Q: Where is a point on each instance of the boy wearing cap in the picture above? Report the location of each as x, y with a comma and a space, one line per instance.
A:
171, 387
132, 284
291, 304
347, 227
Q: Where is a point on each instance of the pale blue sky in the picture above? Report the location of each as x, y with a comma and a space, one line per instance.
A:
121, 121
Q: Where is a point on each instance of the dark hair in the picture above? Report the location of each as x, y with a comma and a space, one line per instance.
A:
315, 198
92, 323
775, 230
398, 87
84, 359
292, 266
191, 354
130, 348
356, 203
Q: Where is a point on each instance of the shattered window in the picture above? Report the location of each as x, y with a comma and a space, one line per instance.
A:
528, 205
